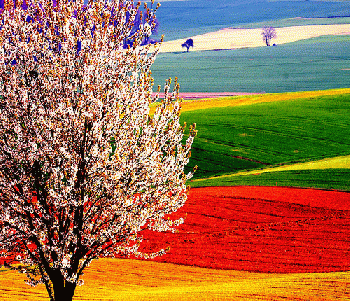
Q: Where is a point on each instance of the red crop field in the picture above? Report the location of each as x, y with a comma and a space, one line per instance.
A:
260, 229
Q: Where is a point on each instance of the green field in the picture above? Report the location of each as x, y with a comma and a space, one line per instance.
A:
318, 64
297, 22
265, 135
323, 39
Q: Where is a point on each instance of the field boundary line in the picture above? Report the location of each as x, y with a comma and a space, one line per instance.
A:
340, 162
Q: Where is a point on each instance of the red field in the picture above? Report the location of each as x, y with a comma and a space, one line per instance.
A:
261, 229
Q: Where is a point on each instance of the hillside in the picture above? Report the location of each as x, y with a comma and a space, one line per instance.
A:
260, 243
320, 64
181, 19
131, 280
268, 210
310, 55
237, 38
288, 233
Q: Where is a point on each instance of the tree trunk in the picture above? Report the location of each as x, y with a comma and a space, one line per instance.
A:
63, 290
65, 293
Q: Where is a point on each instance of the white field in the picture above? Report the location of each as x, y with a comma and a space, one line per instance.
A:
234, 38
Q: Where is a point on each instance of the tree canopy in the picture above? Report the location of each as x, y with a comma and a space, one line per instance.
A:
188, 44
268, 33
84, 166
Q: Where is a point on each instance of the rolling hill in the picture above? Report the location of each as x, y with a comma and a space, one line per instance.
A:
316, 64
181, 19
273, 133
260, 243
290, 244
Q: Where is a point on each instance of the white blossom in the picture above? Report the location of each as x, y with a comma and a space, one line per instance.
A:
84, 167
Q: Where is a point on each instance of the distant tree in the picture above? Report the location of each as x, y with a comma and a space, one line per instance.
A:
268, 34
188, 44
84, 166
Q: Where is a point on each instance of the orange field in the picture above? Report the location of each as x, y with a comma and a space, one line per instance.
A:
134, 280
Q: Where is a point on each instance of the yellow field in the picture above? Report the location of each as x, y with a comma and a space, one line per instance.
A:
328, 163
112, 279
192, 105
230, 101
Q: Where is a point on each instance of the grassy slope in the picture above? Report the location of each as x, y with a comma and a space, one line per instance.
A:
200, 104
269, 134
323, 39
297, 22
110, 279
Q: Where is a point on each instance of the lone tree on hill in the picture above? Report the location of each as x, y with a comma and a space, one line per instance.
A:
188, 44
84, 166
268, 34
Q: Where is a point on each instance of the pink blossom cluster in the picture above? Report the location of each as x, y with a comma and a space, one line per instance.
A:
84, 166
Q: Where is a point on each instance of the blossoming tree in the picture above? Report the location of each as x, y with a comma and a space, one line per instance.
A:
84, 166
268, 33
